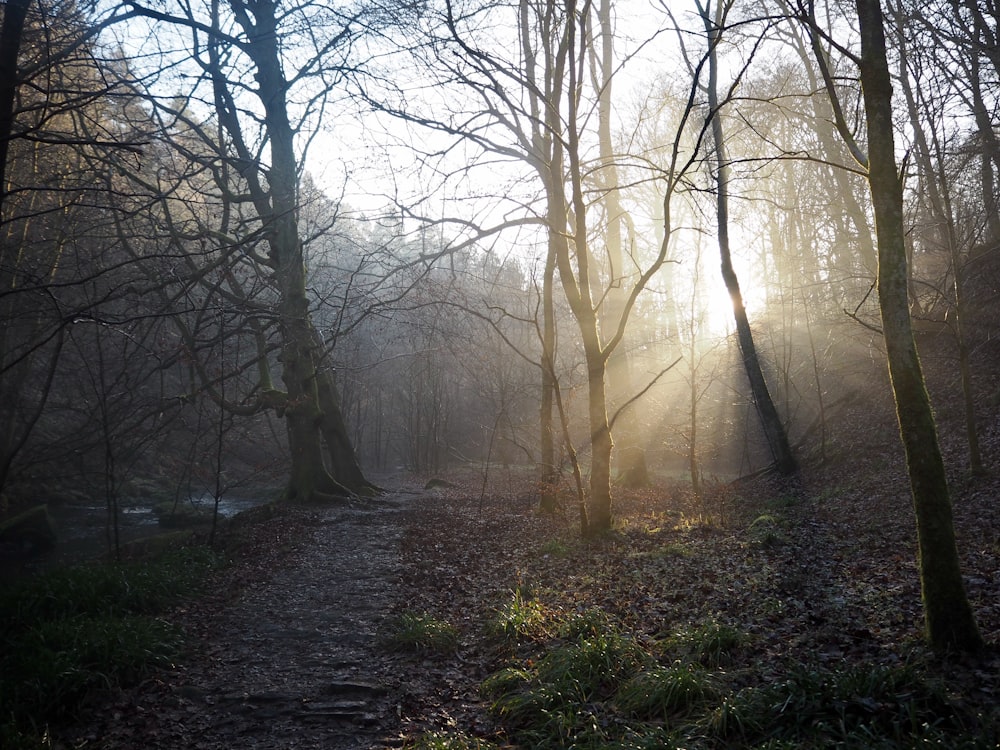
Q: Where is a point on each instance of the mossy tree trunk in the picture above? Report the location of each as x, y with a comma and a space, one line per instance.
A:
948, 616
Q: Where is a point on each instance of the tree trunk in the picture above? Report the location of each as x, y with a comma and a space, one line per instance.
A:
774, 429
949, 619
599, 506
630, 455
547, 502
546, 156
313, 413
344, 464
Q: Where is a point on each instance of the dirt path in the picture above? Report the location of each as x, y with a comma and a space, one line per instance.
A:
291, 662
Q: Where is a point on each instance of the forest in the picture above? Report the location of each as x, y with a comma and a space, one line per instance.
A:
524, 308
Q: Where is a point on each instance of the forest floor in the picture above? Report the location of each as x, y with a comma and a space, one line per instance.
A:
292, 648
816, 577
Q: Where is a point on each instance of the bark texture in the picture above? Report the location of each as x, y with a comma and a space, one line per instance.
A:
313, 414
949, 619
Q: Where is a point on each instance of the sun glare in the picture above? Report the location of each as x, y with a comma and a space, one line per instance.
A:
717, 319
718, 312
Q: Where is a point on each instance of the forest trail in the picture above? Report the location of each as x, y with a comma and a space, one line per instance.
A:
291, 661
285, 650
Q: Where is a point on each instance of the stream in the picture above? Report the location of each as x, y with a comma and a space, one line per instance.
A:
83, 531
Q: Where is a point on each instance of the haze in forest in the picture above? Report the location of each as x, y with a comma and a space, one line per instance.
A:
604, 244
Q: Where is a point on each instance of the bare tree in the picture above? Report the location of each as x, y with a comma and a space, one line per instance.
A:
949, 620
935, 196
774, 429
57, 113
630, 454
239, 51
539, 107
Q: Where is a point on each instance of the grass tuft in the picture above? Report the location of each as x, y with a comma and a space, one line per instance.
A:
420, 633
583, 624
662, 692
710, 643
521, 618
593, 666
766, 531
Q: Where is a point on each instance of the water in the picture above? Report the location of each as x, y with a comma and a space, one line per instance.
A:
83, 531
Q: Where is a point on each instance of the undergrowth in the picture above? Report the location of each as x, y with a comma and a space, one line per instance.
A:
75, 631
783, 629
419, 632
594, 685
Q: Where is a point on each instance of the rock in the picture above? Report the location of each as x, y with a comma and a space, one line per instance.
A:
28, 533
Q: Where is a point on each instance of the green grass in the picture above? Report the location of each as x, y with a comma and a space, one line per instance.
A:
664, 692
593, 666
130, 588
521, 618
710, 643
592, 685
419, 633
766, 531
75, 631
57, 664
557, 699
555, 548
869, 706
582, 624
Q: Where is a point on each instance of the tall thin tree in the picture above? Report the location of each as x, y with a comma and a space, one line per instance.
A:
948, 616
774, 429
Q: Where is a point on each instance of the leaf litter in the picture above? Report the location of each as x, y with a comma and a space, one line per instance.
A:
285, 652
